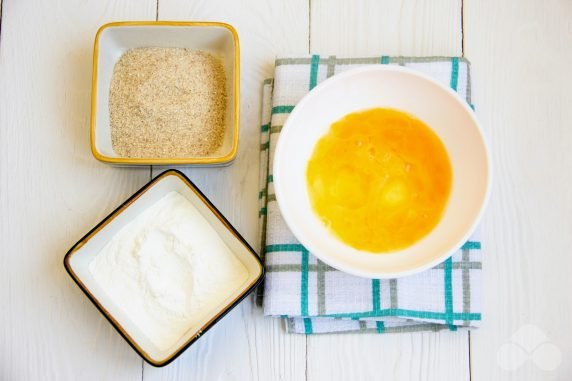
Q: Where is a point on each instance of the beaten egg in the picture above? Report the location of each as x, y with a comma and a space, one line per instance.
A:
379, 179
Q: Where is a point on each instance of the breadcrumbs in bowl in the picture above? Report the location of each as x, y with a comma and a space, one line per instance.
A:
167, 102
165, 93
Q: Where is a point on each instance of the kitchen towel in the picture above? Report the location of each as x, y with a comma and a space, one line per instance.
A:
313, 297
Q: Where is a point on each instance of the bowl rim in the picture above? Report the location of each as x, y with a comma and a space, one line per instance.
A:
216, 160
214, 319
288, 218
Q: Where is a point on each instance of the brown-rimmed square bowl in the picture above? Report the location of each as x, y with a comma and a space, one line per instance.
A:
114, 39
79, 257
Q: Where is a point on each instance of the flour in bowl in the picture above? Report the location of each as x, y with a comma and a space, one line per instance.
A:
168, 269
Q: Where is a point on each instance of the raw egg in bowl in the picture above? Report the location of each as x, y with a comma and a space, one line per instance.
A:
382, 172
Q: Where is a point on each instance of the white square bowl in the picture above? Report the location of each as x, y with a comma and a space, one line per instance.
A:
114, 39
79, 257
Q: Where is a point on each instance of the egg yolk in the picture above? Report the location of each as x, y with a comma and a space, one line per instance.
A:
379, 179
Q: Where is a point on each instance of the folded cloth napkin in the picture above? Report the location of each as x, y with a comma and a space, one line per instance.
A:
316, 298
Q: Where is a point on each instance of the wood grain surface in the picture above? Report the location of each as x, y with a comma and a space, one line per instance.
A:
416, 28
246, 346
521, 58
52, 190
397, 28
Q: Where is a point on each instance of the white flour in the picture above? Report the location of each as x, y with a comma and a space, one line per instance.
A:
167, 269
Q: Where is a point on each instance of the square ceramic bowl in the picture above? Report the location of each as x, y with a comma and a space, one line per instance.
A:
114, 39
78, 259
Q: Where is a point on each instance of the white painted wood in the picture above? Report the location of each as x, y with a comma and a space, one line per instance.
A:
52, 191
521, 54
417, 28
401, 356
368, 27
245, 345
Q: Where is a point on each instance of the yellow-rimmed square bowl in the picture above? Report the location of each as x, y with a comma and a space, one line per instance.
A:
114, 39
78, 259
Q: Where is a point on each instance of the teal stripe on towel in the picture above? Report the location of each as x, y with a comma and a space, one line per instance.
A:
408, 313
471, 245
284, 247
314, 71
282, 109
308, 326
448, 270
454, 72
304, 283
376, 304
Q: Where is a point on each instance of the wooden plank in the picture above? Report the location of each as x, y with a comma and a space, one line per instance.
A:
245, 345
52, 191
418, 28
521, 56
406, 28
399, 356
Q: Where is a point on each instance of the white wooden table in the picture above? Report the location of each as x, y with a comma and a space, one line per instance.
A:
52, 190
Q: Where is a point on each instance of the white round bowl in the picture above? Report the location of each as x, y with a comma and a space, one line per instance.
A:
407, 90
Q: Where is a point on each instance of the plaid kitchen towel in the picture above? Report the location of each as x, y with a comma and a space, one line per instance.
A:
316, 298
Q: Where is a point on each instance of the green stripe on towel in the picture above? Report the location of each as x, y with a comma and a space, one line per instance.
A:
376, 303
448, 291
284, 247
314, 65
304, 283
408, 313
282, 109
308, 326
454, 72
469, 245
